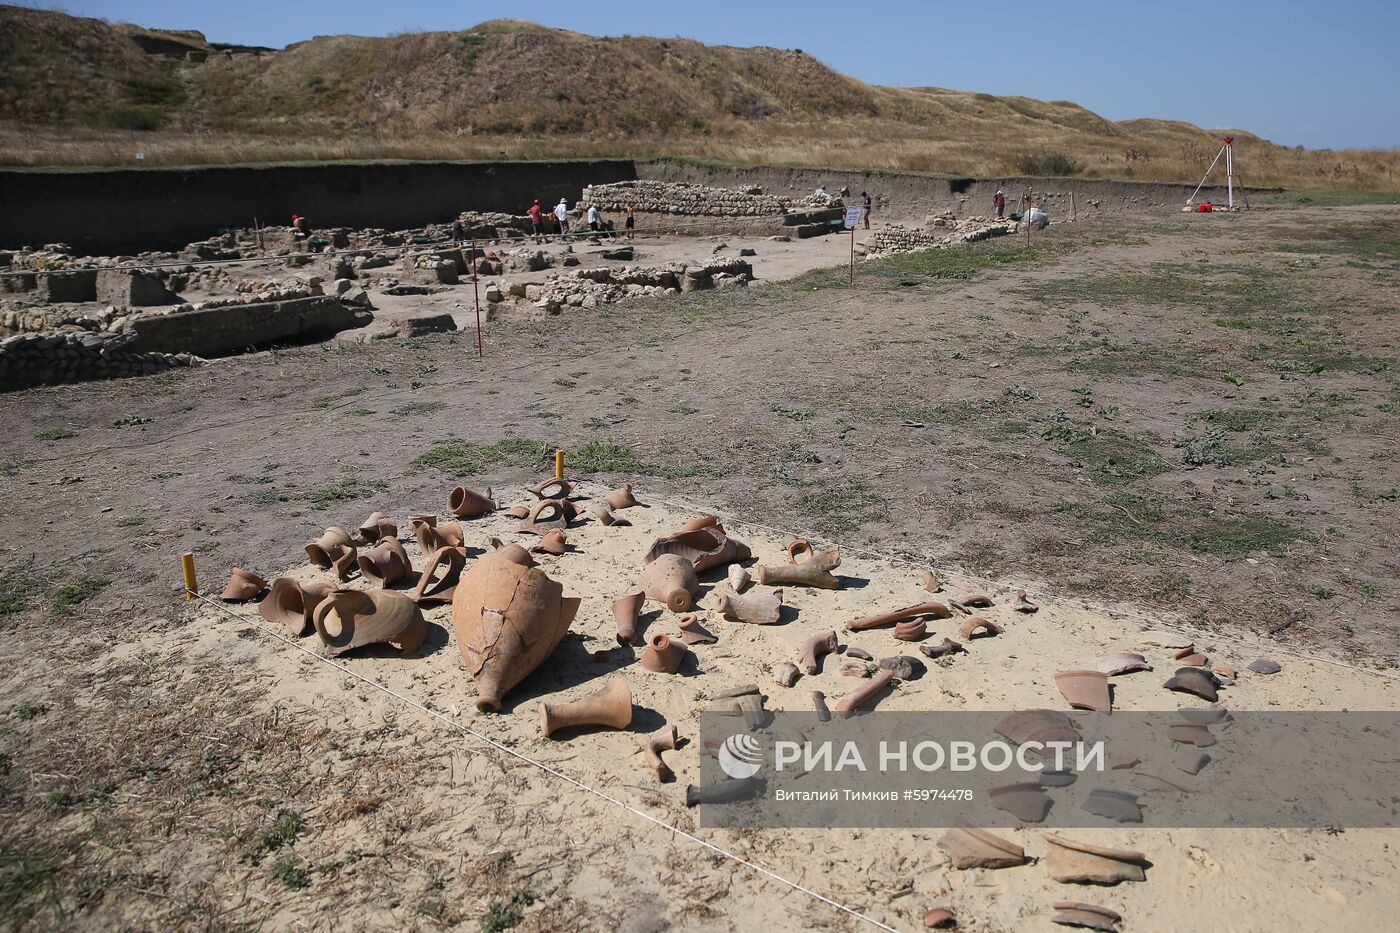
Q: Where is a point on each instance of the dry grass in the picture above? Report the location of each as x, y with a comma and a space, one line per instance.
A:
77, 92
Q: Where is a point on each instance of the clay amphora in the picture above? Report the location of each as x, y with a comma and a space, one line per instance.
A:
432, 537
507, 617
911, 630
555, 542
693, 633
662, 740
760, 607
378, 526
438, 581
937, 610
663, 655
325, 549
1085, 690
611, 707
704, 546
290, 604
242, 585
813, 649
804, 574
626, 609
552, 488
620, 498
385, 563
547, 515
468, 503
670, 580
348, 619
864, 693
605, 516
977, 848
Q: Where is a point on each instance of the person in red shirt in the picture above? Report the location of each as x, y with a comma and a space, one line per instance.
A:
537, 220
999, 202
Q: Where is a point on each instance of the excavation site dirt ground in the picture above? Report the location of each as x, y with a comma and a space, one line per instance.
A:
1183, 423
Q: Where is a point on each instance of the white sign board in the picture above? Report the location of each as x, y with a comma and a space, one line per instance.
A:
853, 216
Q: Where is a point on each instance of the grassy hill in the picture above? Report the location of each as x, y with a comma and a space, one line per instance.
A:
86, 92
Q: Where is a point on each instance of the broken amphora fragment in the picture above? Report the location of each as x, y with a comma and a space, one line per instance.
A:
385, 563
1264, 666
933, 609
611, 706
864, 694
438, 581
555, 542
663, 655
517, 511
800, 551
814, 648
1026, 801
1195, 681
349, 619
978, 627
1089, 916
1190, 760
328, 549
1085, 690
931, 582
946, 646
508, 617
1038, 725
606, 517
290, 604
723, 792
1022, 604
432, 537
552, 487
804, 574
377, 527
626, 610
620, 498
662, 740
546, 516
938, 918
512, 552
1195, 659
1124, 662
819, 704
903, 667
855, 667
1117, 805
759, 607
977, 848
704, 546
786, 674
692, 632
1191, 733
738, 577
464, 502
1076, 862
671, 581
242, 586
911, 630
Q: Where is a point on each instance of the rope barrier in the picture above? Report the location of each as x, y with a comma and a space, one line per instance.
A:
554, 772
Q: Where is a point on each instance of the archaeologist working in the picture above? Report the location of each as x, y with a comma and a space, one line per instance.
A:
537, 220
593, 218
459, 232
301, 225
561, 214
999, 202
631, 223
865, 209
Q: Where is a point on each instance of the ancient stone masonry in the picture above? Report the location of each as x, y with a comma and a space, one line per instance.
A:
898, 238
660, 197
589, 288
30, 360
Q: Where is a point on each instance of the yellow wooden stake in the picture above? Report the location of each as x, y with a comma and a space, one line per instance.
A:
559, 464
187, 565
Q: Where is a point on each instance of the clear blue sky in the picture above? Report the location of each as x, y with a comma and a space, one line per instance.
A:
1317, 73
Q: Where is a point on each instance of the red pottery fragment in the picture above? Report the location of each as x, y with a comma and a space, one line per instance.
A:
1122, 761
626, 609
620, 498
1226, 674
551, 488
422, 518
743, 690
946, 646
978, 627
759, 607
1022, 604
290, 604
1076, 862
327, 549
853, 651
1194, 660
606, 517
786, 674
804, 574
1195, 681
610, 706
671, 581
801, 552
508, 617
975, 600
750, 706
933, 609
1085, 690
555, 542
1037, 725
814, 648
242, 585
854, 667
1026, 801
912, 630
931, 582
1089, 916
940, 918
1190, 760
1191, 733
1188, 650
662, 740
1117, 805
438, 581
546, 516
663, 655
431, 536
819, 704
518, 511
977, 848
1124, 662
702, 521
378, 526
692, 632
705, 546
468, 503
349, 619
864, 693
385, 563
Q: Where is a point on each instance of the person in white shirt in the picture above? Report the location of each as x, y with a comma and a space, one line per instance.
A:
593, 217
821, 191
561, 214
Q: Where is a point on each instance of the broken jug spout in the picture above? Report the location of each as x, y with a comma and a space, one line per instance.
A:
662, 740
815, 647
620, 498
611, 707
759, 607
625, 612
290, 604
467, 503
663, 655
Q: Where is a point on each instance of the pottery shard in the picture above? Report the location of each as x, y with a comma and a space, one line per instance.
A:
1085, 690
946, 646
555, 542
1264, 666
663, 655
671, 581
693, 633
242, 585
978, 627
936, 918
551, 488
1124, 662
1075, 862
902, 666
438, 581
1026, 801
1022, 604
931, 581
800, 551
705, 546
1195, 681
932, 609
912, 630
976, 848
738, 578
759, 607
625, 612
507, 617
1191, 733
349, 619
1037, 725
814, 648
547, 515
1089, 916
606, 517
662, 740
385, 563
786, 674
1119, 806
468, 503
291, 604
1190, 760
804, 574
620, 498
854, 667
863, 694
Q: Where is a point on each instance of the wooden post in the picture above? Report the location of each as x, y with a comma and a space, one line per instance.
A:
850, 280
559, 464
187, 568
476, 289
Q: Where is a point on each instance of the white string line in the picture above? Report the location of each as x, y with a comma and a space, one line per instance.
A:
1133, 614
769, 873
